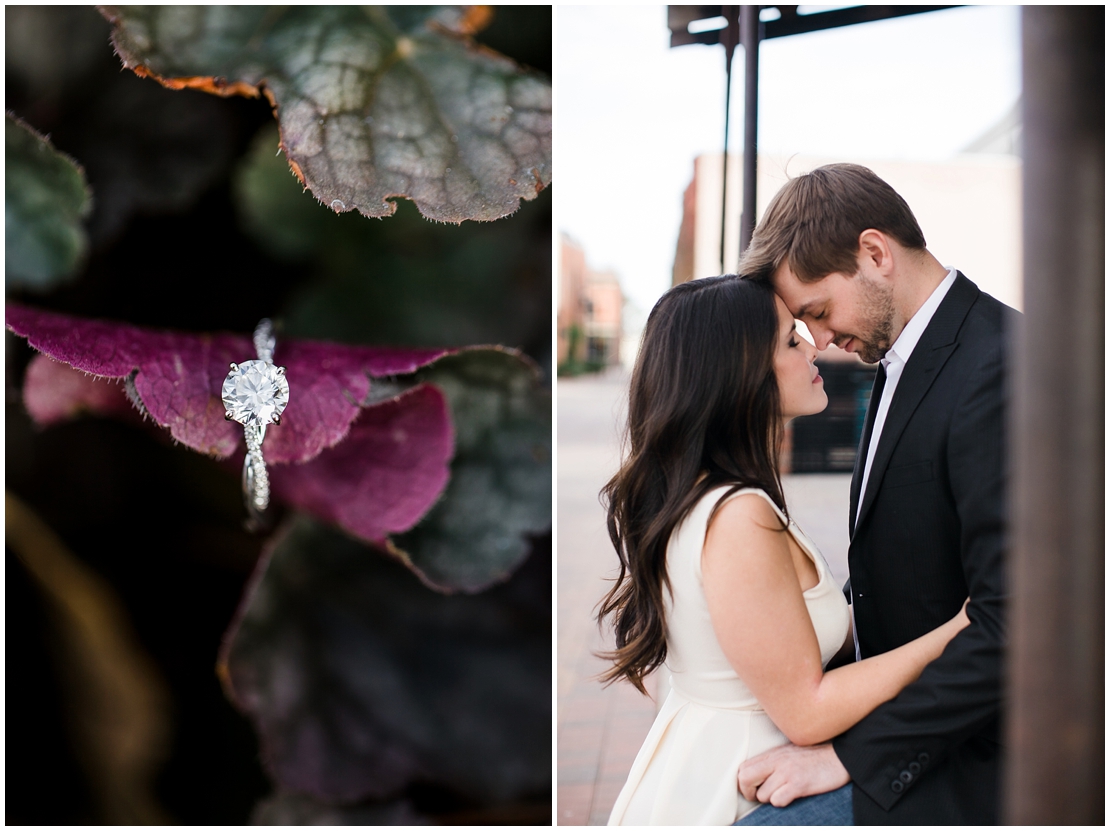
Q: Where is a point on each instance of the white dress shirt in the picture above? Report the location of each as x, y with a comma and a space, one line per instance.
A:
894, 362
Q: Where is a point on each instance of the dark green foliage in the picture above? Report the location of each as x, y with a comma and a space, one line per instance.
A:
500, 487
46, 198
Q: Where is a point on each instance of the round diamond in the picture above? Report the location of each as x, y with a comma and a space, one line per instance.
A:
255, 392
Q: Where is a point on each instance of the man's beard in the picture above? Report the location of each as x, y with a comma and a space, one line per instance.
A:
877, 310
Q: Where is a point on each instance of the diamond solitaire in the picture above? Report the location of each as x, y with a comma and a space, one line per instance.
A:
255, 394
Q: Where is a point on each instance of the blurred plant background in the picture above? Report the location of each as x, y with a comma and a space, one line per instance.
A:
127, 555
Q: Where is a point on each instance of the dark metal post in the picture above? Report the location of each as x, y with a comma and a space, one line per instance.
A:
729, 39
1055, 706
749, 34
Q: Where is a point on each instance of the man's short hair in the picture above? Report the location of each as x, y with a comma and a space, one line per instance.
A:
813, 224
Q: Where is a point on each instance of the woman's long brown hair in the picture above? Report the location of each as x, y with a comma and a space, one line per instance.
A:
703, 400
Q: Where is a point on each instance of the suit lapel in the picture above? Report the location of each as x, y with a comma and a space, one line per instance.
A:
937, 343
861, 453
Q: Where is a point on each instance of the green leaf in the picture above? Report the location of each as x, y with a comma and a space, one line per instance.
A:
500, 486
403, 282
46, 197
373, 102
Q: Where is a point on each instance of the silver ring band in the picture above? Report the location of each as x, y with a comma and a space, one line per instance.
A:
264, 341
256, 481
255, 393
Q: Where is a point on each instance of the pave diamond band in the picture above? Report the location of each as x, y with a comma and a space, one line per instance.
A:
256, 481
255, 394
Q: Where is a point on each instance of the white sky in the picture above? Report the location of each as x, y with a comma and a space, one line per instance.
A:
631, 114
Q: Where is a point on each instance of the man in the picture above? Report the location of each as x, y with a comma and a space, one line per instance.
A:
845, 253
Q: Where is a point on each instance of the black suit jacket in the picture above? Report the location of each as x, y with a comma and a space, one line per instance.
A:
931, 533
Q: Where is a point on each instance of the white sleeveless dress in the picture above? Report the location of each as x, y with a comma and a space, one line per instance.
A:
685, 773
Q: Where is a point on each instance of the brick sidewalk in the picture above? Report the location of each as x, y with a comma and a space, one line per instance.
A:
599, 729
600, 732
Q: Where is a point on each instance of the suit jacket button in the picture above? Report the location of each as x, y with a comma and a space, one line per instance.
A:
923, 758
897, 786
914, 768
906, 776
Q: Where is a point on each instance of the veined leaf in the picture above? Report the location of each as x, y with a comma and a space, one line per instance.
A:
373, 102
500, 487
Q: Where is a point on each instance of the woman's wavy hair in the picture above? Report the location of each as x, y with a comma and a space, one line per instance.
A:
703, 411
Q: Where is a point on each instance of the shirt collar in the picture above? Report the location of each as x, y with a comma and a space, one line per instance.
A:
903, 347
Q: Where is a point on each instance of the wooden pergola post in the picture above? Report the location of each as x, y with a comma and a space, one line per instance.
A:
1055, 703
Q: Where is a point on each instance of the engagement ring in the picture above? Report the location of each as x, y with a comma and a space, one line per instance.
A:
255, 394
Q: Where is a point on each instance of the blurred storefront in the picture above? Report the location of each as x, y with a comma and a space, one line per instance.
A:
591, 306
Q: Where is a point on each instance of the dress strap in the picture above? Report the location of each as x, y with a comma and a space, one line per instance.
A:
741, 492
706, 505
799, 537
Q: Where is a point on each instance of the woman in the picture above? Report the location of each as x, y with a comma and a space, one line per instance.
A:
715, 578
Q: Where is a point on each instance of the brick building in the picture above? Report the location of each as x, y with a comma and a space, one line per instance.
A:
591, 305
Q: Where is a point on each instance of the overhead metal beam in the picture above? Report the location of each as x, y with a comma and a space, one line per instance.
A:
789, 22
679, 19
792, 23
724, 21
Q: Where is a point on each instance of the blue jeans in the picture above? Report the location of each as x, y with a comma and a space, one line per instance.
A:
832, 808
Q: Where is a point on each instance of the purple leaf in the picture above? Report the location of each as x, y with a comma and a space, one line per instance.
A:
54, 392
378, 480
394, 458
179, 376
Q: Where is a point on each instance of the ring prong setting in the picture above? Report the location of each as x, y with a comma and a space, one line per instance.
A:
254, 394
